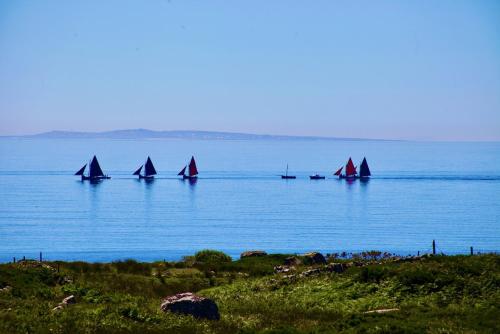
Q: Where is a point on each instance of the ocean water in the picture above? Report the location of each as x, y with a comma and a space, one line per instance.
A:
419, 191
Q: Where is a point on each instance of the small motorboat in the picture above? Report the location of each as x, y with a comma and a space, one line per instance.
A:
317, 177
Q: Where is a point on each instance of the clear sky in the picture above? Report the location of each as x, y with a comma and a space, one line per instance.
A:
372, 69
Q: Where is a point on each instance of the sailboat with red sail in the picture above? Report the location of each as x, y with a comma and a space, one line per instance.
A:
149, 170
351, 172
95, 171
192, 170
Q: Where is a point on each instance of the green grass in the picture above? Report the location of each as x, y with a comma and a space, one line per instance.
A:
456, 294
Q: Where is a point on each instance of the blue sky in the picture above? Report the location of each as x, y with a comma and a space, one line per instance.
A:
375, 69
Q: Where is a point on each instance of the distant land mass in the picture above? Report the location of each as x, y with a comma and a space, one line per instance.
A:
175, 134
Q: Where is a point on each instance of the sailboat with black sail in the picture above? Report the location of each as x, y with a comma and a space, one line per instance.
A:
95, 172
149, 170
364, 170
192, 170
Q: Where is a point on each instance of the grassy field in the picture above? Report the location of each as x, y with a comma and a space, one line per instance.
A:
436, 294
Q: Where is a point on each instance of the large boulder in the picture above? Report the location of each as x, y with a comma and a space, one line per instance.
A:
189, 303
252, 254
314, 258
292, 261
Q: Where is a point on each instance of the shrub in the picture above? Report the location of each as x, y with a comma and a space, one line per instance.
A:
208, 256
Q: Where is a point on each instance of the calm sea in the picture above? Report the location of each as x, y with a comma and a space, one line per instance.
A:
449, 192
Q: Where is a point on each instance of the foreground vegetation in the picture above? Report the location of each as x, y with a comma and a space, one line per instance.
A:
437, 294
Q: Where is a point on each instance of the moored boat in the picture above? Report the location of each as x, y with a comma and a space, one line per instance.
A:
192, 170
286, 176
317, 177
149, 170
95, 172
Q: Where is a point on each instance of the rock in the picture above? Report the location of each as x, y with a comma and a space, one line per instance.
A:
283, 269
189, 303
69, 300
253, 254
382, 310
336, 268
311, 272
292, 261
315, 258
6, 289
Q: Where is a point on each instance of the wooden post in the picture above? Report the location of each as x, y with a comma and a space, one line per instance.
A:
24, 258
418, 253
471, 250
433, 247
14, 259
40, 256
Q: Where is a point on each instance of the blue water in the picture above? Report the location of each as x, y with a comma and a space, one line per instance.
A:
419, 192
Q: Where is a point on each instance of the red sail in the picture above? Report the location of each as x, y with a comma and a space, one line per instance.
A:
192, 168
337, 173
350, 170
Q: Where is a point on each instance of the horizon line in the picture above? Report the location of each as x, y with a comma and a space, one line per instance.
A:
71, 134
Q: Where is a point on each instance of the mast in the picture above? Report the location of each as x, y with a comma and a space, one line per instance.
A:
193, 171
286, 173
149, 169
364, 170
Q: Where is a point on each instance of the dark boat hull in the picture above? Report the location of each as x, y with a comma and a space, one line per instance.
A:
146, 177
317, 177
288, 177
187, 177
97, 178
355, 177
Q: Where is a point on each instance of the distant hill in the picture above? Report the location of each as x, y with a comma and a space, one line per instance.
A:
180, 134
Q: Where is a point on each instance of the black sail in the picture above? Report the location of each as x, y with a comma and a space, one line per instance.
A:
81, 170
364, 169
95, 169
149, 169
138, 171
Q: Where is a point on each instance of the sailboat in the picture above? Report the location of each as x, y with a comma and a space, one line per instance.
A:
95, 171
364, 170
192, 171
350, 171
317, 177
286, 176
149, 170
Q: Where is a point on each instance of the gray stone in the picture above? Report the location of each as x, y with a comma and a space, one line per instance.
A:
189, 303
292, 261
315, 258
252, 254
